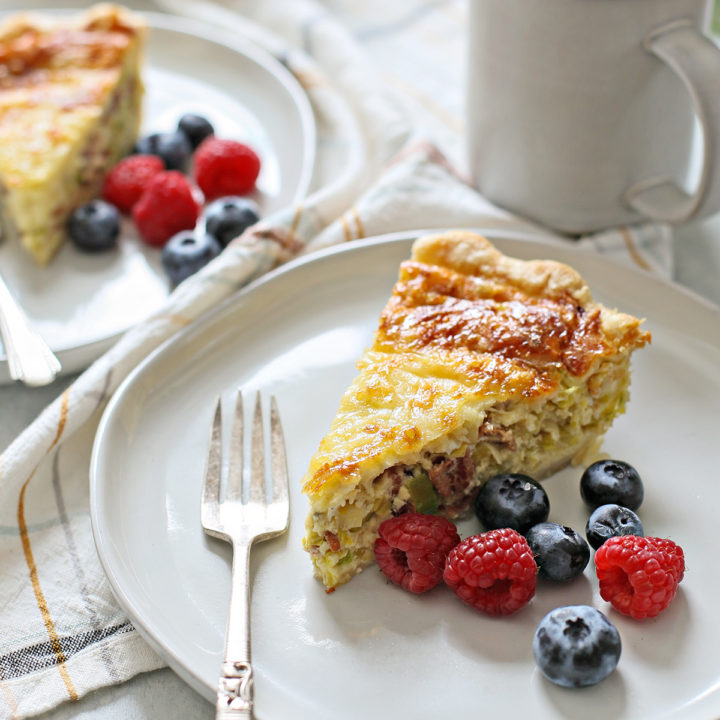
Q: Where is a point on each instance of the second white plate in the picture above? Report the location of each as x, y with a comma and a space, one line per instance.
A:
370, 649
80, 303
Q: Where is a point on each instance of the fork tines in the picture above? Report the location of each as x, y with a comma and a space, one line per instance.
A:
275, 510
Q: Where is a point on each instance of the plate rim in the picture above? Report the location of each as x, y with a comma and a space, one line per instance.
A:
74, 358
245, 45
215, 317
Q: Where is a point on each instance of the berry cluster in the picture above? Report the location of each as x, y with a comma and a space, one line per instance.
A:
495, 571
613, 490
520, 502
163, 187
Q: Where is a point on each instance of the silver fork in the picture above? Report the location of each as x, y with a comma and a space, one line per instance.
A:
30, 360
243, 523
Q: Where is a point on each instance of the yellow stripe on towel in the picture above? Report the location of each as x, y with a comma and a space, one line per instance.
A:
32, 567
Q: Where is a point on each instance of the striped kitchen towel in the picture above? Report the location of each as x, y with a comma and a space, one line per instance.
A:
387, 152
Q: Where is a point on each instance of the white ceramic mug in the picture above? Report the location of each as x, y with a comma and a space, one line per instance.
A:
580, 112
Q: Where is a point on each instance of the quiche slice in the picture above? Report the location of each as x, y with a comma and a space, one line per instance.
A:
70, 103
481, 364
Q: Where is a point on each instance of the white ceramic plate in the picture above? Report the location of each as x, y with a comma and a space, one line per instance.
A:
80, 303
370, 649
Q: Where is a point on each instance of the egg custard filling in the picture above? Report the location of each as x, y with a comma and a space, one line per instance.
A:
481, 364
70, 105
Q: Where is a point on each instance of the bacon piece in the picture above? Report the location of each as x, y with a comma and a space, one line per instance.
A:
451, 477
497, 435
332, 541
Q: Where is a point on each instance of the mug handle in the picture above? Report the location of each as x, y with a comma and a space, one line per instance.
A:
696, 61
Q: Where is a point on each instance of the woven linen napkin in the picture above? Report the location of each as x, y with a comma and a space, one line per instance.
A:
378, 170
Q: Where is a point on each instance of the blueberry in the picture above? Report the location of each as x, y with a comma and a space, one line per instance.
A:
186, 252
609, 521
611, 481
173, 148
95, 226
511, 500
228, 217
195, 128
576, 646
560, 553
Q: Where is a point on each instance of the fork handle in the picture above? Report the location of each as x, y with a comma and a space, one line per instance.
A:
235, 686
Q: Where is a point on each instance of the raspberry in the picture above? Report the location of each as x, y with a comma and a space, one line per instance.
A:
126, 181
412, 549
165, 208
639, 575
225, 167
676, 559
494, 572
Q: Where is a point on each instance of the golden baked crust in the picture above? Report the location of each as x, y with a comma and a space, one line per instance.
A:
70, 100
481, 363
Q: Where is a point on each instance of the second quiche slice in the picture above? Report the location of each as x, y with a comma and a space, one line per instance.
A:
481, 364
70, 100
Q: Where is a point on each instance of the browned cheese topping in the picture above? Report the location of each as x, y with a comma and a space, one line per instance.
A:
434, 308
31, 57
